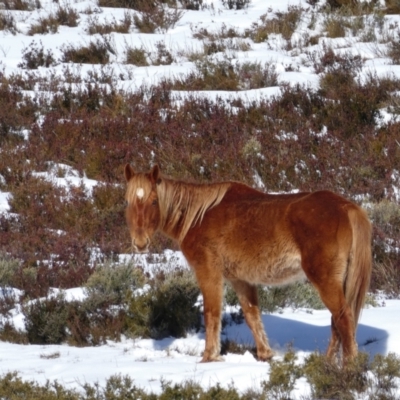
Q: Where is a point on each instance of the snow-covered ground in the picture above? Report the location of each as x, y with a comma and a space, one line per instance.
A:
177, 360
148, 362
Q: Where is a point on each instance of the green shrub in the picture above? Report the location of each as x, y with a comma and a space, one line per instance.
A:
46, 320
272, 299
282, 377
12, 387
93, 321
167, 307
330, 380
8, 269
111, 283
386, 371
8, 333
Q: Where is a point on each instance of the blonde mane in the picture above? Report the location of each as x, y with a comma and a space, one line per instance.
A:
183, 205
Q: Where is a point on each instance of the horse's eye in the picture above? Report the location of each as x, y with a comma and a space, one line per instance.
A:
154, 203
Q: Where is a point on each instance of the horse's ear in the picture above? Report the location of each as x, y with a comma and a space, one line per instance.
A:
129, 172
155, 174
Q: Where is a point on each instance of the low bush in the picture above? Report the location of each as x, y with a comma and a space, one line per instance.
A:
46, 320
21, 5
373, 381
7, 23
236, 4
117, 387
34, 56
285, 23
192, 4
273, 299
46, 25
386, 374
224, 75
162, 55
123, 26
8, 271
67, 16
112, 282
156, 17
96, 52
167, 307
136, 56
282, 377
13, 387
330, 380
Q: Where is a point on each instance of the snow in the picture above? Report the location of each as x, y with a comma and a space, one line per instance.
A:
147, 362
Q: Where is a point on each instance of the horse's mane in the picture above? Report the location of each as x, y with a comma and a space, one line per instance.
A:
183, 205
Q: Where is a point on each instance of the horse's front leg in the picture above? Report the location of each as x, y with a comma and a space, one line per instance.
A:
248, 298
211, 286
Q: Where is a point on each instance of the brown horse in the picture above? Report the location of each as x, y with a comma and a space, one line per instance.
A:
229, 231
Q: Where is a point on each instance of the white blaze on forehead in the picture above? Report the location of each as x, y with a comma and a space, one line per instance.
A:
140, 193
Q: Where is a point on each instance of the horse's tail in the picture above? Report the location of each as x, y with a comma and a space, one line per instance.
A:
360, 262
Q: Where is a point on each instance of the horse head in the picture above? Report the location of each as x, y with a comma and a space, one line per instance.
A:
142, 209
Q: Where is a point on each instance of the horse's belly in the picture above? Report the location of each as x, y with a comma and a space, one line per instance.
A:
267, 271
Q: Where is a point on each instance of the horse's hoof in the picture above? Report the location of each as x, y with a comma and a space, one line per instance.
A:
207, 359
266, 356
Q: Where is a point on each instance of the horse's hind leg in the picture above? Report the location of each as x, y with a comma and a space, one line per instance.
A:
343, 327
248, 298
335, 342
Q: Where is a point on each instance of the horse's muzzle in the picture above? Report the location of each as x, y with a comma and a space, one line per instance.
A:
139, 247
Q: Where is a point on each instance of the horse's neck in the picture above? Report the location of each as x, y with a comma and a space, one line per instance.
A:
184, 205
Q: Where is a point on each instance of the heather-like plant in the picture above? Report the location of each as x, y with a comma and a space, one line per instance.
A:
34, 56
236, 4
136, 56
123, 26
67, 16
7, 22
285, 23
156, 16
21, 5
49, 24
96, 52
